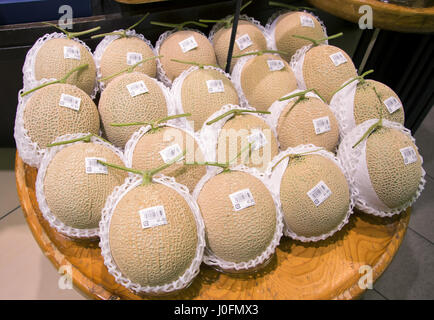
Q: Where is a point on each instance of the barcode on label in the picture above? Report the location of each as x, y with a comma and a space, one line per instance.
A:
188, 44
392, 104
70, 102
93, 166
319, 193
242, 199
275, 65
321, 125
257, 139
306, 21
215, 86
244, 42
152, 217
71, 52
409, 155
133, 58
137, 88
338, 58
170, 153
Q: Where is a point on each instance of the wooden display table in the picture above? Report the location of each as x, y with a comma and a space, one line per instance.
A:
324, 270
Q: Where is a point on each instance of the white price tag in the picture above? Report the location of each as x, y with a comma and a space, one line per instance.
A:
257, 139
93, 166
392, 104
71, 52
321, 125
242, 199
319, 193
133, 58
170, 153
70, 102
306, 21
244, 42
137, 88
215, 86
275, 65
188, 44
338, 58
409, 155
152, 217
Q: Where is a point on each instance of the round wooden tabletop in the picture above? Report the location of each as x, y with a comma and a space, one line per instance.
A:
386, 16
329, 269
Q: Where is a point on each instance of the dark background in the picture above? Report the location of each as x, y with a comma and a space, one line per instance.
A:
402, 61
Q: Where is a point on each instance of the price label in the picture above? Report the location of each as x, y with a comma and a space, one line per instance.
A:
137, 88
275, 65
93, 166
319, 193
215, 86
170, 153
392, 104
244, 42
70, 102
306, 21
152, 217
321, 125
338, 58
242, 199
133, 58
188, 44
71, 52
257, 139
409, 155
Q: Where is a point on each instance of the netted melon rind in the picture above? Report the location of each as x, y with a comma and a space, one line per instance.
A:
354, 161
111, 203
29, 78
39, 185
275, 176
211, 259
105, 42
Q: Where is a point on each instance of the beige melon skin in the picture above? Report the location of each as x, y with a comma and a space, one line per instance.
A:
320, 73
50, 63
75, 197
116, 105
300, 213
114, 58
367, 106
146, 155
296, 127
261, 86
170, 49
199, 102
394, 182
289, 24
233, 139
237, 236
45, 119
153, 256
222, 38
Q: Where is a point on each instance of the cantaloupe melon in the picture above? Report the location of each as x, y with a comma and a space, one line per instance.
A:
118, 104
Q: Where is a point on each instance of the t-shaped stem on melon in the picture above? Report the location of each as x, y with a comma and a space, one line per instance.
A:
258, 53
70, 35
288, 6
200, 65
318, 42
123, 33
84, 139
371, 129
301, 96
178, 26
295, 155
62, 80
228, 21
154, 124
361, 79
235, 112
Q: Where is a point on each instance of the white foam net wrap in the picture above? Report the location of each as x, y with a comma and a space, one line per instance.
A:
40, 195
29, 79
296, 63
161, 74
274, 176
354, 160
270, 27
211, 259
130, 183
209, 133
105, 42
342, 106
176, 90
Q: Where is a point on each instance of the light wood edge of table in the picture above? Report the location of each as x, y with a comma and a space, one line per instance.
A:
95, 291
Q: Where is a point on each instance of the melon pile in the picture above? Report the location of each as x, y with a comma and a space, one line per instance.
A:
178, 163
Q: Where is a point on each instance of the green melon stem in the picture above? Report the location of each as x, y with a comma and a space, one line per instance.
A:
228, 21
370, 130
178, 26
84, 139
288, 6
361, 78
129, 69
380, 112
258, 53
123, 33
200, 65
154, 124
302, 96
319, 41
62, 80
70, 35
295, 155
235, 112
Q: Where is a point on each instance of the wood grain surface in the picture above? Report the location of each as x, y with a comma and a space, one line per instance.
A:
324, 270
